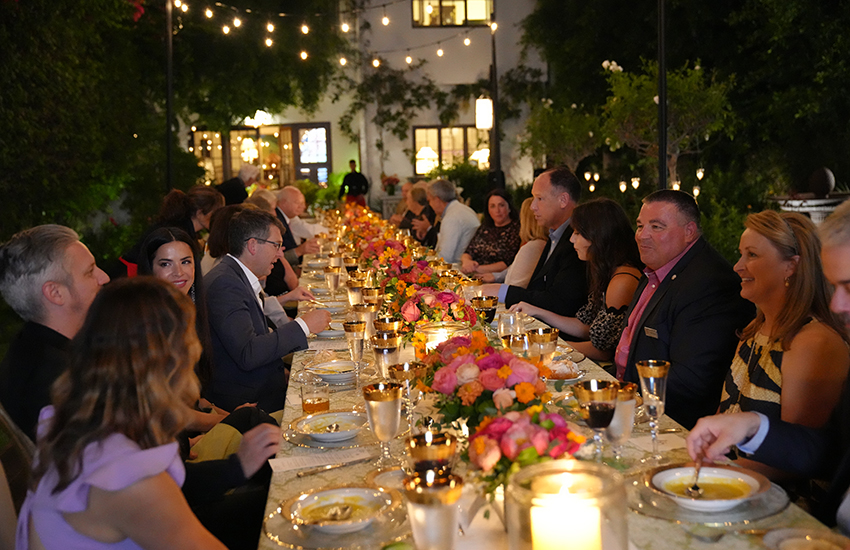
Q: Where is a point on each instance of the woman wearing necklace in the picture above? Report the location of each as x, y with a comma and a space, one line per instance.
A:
793, 357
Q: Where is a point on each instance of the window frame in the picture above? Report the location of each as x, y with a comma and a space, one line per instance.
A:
417, 25
439, 128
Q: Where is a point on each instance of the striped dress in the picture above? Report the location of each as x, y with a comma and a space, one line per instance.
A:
754, 382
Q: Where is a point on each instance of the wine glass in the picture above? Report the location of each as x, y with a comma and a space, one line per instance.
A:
597, 399
408, 374
383, 409
653, 385
386, 347
510, 324
332, 274
620, 429
366, 313
355, 332
374, 296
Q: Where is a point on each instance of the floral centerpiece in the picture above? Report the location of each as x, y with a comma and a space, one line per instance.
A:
503, 444
476, 381
389, 183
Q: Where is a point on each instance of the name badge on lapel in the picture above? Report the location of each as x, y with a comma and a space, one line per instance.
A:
650, 332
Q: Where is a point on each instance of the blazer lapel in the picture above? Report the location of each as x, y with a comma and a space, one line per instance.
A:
241, 274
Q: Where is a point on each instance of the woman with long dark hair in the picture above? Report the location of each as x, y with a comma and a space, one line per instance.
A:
496, 242
604, 238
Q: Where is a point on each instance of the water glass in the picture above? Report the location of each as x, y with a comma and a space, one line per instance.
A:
315, 397
386, 346
383, 409
620, 429
432, 509
510, 323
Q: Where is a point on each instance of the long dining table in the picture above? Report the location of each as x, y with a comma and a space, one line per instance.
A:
485, 531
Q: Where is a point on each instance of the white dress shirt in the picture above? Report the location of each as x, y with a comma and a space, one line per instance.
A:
458, 226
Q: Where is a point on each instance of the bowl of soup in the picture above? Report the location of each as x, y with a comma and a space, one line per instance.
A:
723, 487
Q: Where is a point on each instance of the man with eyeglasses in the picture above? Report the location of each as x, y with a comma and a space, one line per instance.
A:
246, 351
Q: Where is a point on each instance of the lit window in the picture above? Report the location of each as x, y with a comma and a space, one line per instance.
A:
444, 146
451, 13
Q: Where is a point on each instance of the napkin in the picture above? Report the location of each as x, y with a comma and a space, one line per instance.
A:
288, 463
666, 442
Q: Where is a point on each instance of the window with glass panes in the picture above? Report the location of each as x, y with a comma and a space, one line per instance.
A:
451, 13
444, 146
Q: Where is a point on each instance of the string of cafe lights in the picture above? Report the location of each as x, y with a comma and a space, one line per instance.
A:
345, 27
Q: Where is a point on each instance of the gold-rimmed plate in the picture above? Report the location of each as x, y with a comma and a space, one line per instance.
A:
334, 330
338, 371
387, 527
364, 438
387, 479
724, 487
321, 508
315, 426
815, 539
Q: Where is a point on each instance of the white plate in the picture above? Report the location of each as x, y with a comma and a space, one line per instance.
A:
319, 290
367, 503
338, 371
317, 264
334, 330
334, 307
661, 478
805, 539
387, 478
314, 425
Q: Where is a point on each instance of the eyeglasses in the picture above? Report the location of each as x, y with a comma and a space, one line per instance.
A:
277, 245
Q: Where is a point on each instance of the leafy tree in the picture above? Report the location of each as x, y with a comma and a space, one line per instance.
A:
556, 135
697, 110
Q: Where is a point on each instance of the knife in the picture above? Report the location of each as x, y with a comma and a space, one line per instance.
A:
320, 469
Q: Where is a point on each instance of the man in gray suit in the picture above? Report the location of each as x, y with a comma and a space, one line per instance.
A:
246, 351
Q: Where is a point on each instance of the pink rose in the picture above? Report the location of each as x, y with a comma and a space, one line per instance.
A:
524, 434
466, 373
492, 361
461, 360
502, 398
447, 297
522, 371
410, 312
555, 418
484, 453
491, 380
496, 428
429, 299
445, 381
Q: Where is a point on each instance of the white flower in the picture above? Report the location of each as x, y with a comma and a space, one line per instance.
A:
606, 64
574, 106
655, 99
607, 141
706, 137
590, 134
619, 69
696, 67
467, 373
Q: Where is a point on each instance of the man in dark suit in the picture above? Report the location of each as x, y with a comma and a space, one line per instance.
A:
235, 189
687, 309
247, 353
559, 282
50, 279
354, 185
822, 453
290, 205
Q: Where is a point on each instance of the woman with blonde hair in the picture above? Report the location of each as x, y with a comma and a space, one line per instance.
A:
793, 358
108, 470
533, 236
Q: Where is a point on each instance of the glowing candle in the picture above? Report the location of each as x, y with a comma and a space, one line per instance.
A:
563, 512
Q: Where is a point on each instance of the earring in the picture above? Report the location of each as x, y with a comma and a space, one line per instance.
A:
787, 281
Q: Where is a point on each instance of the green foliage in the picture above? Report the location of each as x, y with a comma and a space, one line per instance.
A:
555, 136
471, 178
697, 110
321, 198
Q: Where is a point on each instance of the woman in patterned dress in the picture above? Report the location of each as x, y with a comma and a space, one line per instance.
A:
604, 238
496, 243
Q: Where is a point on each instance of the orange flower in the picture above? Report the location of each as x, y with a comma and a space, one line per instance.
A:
479, 340
421, 386
524, 392
470, 391
406, 262
545, 371
504, 371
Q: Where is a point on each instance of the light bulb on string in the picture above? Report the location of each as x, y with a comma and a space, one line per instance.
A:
696, 191
440, 52
467, 41
208, 13
376, 62
345, 27
270, 27
177, 3
225, 29
303, 55
185, 8
677, 185
596, 176
623, 186
385, 20
237, 22
408, 60
591, 188
269, 42
305, 29
587, 176
700, 173
493, 26
343, 61
635, 182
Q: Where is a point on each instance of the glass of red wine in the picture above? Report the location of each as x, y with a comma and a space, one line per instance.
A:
598, 401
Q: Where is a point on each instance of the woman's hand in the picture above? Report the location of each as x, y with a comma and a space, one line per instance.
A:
528, 309
468, 265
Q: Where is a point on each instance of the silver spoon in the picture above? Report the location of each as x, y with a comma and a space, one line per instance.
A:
695, 491
332, 428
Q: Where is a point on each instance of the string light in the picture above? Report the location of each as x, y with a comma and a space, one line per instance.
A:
596, 176
700, 173
408, 60
493, 26
345, 27
177, 3
591, 188
269, 42
237, 22
635, 182
343, 61
376, 62
185, 8
225, 29
385, 20
270, 27
587, 176
429, 9
208, 13
696, 191
623, 186
467, 41
440, 52
305, 29
677, 185
303, 55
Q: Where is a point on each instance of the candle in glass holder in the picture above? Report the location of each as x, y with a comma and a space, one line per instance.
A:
438, 332
563, 503
432, 509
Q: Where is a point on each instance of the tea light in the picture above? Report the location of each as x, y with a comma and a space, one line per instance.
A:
437, 333
583, 501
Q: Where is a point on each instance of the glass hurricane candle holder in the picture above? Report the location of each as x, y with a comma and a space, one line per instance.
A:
432, 508
566, 504
438, 332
